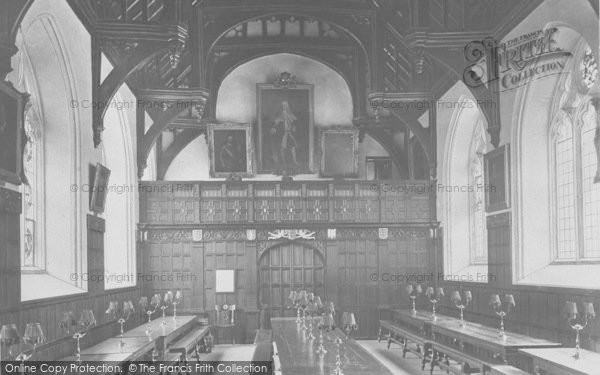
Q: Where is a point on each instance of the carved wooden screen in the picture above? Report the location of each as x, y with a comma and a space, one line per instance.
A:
286, 267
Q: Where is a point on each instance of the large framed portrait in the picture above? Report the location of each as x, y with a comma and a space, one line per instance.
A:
497, 179
230, 149
285, 119
12, 107
99, 190
339, 152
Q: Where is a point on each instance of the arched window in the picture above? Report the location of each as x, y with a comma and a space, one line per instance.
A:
577, 197
119, 236
462, 194
478, 243
32, 255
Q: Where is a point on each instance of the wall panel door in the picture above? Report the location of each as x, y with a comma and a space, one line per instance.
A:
291, 266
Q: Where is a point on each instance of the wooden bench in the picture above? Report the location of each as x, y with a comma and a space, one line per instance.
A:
404, 337
457, 362
191, 342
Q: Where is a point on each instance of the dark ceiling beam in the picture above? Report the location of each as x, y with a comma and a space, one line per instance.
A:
405, 107
141, 43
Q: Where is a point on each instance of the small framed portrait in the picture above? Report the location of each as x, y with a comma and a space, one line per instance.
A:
12, 108
225, 281
285, 126
497, 179
99, 188
339, 152
230, 149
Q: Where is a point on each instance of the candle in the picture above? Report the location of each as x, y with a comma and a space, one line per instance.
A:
468, 296
440, 292
455, 297
495, 300
588, 309
510, 300
143, 302
418, 289
429, 292
352, 319
409, 289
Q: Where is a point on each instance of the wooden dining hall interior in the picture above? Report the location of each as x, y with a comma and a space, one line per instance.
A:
300, 187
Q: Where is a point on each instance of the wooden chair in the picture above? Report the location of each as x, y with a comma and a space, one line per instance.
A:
225, 320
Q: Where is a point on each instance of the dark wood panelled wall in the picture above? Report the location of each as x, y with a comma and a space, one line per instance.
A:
539, 311
190, 229
49, 311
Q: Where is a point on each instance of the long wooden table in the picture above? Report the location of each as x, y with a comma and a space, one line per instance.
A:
296, 355
486, 342
137, 342
474, 346
560, 361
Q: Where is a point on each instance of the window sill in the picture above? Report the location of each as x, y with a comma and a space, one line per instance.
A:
476, 273
41, 286
579, 276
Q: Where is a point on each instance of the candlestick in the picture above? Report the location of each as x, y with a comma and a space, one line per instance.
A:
176, 301
154, 303
338, 359
456, 298
86, 321
413, 292
323, 324
434, 298
349, 323
9, 336
496, 303
167, 301
579, 321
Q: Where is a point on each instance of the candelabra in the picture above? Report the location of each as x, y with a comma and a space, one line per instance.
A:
496, 303
348, 323
120, 315
167, 301
326, 323
9, 336
456, 298
176, 301
294, 298
413, 292
578, 321
338, 358
154, 303
434, 298
67, 322
86, 321
33, 336
303, 302
311, 309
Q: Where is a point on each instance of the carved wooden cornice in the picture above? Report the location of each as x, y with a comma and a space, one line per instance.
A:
262, 235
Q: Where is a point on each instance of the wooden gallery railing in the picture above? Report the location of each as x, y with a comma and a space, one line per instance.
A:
266, 202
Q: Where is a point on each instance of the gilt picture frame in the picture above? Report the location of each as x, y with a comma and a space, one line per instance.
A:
497, 179
12, 120
230, 150
285, 122
99, 188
